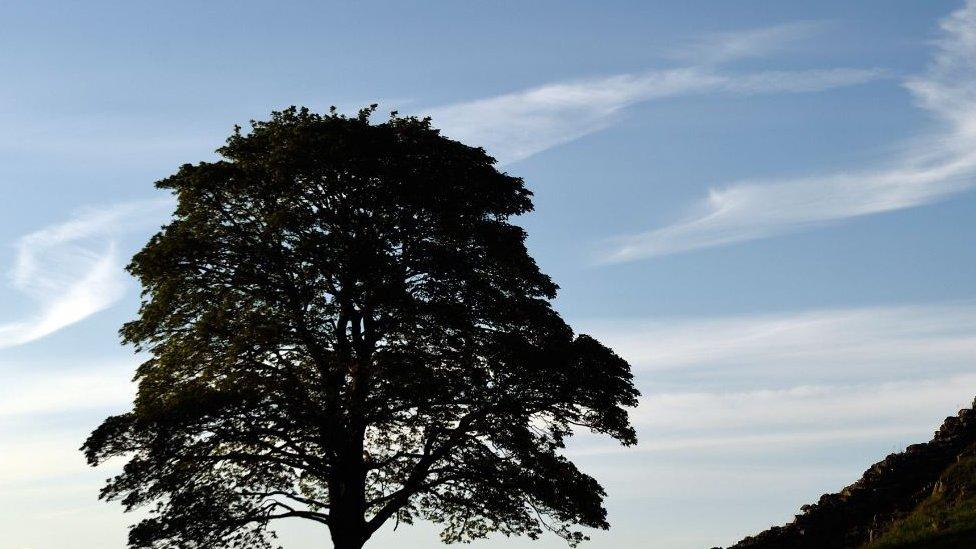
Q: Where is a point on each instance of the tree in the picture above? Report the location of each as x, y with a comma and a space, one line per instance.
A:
343, 326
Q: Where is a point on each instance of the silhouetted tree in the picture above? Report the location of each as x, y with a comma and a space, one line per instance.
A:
342, 326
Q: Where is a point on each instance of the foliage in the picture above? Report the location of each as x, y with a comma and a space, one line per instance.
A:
343, 326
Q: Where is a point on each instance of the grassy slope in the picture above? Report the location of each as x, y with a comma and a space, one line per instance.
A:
945, 520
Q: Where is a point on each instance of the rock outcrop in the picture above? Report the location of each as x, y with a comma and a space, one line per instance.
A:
887, 491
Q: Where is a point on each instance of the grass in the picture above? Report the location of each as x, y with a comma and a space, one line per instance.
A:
944, 520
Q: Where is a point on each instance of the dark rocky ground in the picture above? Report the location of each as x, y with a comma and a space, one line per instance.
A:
922, 497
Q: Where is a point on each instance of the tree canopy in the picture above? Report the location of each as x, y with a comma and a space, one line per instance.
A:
342, 325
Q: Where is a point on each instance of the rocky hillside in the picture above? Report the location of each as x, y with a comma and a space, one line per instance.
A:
919, 494
945, 520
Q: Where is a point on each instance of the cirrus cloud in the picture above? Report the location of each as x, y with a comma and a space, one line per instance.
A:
514, 126
940, 165
72, 270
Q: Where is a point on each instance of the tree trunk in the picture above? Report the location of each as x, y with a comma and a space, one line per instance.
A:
344, 540
347, 487
347, 525
347, 497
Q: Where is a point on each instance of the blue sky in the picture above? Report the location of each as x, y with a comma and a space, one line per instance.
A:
766, 206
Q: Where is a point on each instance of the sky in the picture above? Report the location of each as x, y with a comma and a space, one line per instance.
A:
766, 207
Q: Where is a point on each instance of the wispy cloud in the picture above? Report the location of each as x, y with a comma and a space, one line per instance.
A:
804, 346
45, 414
57, 393
798, 416
762, 442
28, 460
517, 125
797, 379
72, 270
809, 407
721, 47
940, 165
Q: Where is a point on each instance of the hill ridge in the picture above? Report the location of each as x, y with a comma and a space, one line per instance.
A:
886, 492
